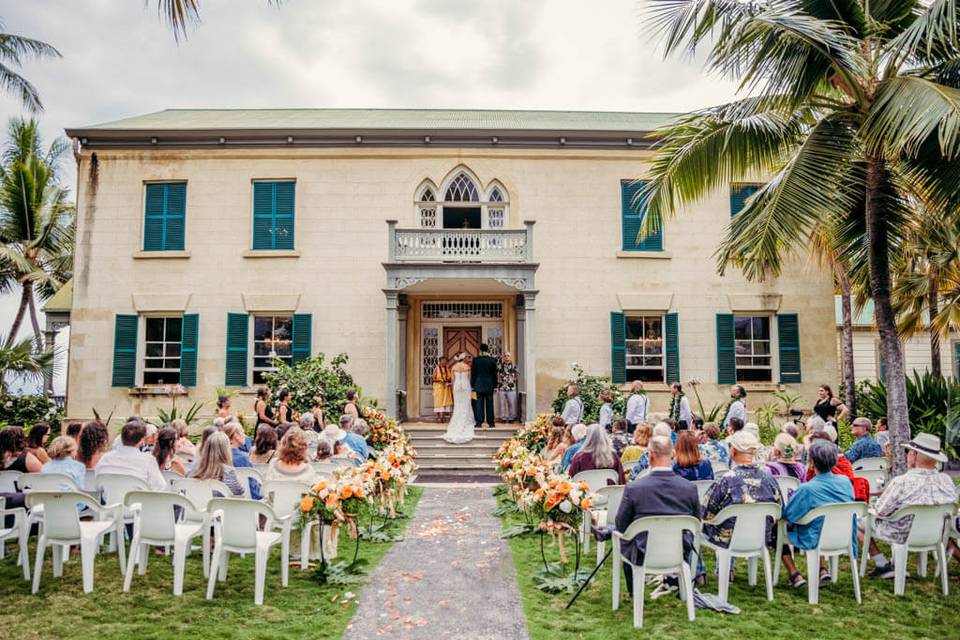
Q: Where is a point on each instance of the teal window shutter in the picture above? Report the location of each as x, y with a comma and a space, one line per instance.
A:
165, 216
671, 327
788, 334
188, 350
631, 214
739, 193
302, 331
125, 351
726, 350
273, 215
238, 326
618, 347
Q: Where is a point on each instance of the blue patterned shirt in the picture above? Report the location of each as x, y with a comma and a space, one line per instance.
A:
714, 451
744, 484
864, 447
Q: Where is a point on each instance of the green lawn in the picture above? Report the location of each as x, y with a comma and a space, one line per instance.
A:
150, 610
922, 613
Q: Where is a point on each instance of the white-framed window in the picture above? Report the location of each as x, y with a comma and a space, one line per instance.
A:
272, 340
163, 339
427, 206
753, 344
644, 348
460, 203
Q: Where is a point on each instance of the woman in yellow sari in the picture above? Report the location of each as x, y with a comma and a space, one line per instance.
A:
442, 390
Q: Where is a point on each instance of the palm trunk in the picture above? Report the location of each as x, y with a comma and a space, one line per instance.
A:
933, 302
846, 345
37, 336
898, 416
26, 293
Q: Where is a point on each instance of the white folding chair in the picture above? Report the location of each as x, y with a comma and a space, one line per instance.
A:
703, 486
836, 539
871, 464
8, 481
664, 555
719, 468
788, 484
595, 478
244, 474
262, 468
155, 524
328, 468
748, 540
170, 476
47, 482
927, 529
611, 497
62, 527
343, 463
114, 487
876, 477
284, 496
235, 530
18, 531
200, 492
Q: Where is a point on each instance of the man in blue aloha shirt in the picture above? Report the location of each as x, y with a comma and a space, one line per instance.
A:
865, 445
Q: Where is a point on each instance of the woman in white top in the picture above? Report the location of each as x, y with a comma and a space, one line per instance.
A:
737, 407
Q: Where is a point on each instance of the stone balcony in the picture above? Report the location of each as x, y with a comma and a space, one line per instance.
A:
421, 245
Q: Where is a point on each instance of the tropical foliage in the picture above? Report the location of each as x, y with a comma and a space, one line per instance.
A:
27, 410
590, 388
14, 51
179, 14
312, 378
853, 111
21, 360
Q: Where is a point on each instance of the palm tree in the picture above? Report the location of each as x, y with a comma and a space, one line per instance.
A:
14, 50
926, 268
852, 108
178, 14
36, 221
22, 360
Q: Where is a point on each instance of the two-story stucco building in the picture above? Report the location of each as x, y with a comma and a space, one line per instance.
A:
211, 240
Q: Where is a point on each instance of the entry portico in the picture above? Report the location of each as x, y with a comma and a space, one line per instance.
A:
446, 291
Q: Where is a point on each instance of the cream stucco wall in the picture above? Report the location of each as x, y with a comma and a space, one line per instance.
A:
343, 197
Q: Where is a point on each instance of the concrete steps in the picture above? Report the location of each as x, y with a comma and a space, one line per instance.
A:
438, 458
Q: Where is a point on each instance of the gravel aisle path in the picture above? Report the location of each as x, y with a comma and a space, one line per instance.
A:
451, 577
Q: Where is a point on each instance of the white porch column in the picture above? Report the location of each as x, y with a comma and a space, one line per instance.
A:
530, 355
391, 359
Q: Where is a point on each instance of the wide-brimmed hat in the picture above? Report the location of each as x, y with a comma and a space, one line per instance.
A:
744, 441
927, 444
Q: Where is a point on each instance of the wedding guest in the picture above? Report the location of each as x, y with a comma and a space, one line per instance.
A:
619, 439
73, 430
566, 439
94, 440
236, 437
209, 431
264, 445
307, 422
324, 450
606, 410
351, 439
596, 453
165, 451
736, 408
883, 433
641, 438
864, 446
843, 467
284, 412
507, 388
291, 462
680, 407
13, 452
351, 408
215, 464
643, 462
223, 406
263, 409
282, 429
62, 452
129, 459
36, 439
149, 438
577, 432
827, 407
573, 408
784, 461
637, 406
317, 410
183, 446
554, 439
712, 449
814, 425
687, 462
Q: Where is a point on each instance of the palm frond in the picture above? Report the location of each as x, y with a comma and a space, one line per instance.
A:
907, 111
931, 33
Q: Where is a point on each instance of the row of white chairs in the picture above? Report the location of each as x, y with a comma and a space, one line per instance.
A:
54, 501
932, 528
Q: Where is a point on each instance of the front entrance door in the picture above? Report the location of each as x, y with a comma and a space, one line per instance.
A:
461, 340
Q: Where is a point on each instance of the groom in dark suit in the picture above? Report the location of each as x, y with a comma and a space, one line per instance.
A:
483, 379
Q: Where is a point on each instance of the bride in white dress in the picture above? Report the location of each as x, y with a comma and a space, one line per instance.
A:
460, 427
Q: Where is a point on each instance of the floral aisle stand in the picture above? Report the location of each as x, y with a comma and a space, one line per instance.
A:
375, 487
552, 503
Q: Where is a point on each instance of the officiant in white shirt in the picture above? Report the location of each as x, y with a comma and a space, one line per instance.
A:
573, 409
638, 404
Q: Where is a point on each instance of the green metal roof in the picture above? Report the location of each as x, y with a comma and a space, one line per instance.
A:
62, 300
466, 119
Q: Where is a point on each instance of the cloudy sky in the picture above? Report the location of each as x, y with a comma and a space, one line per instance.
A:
120, 60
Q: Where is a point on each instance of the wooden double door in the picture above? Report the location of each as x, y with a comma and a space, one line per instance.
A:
461, 340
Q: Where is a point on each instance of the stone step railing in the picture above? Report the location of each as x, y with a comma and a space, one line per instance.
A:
460, 245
